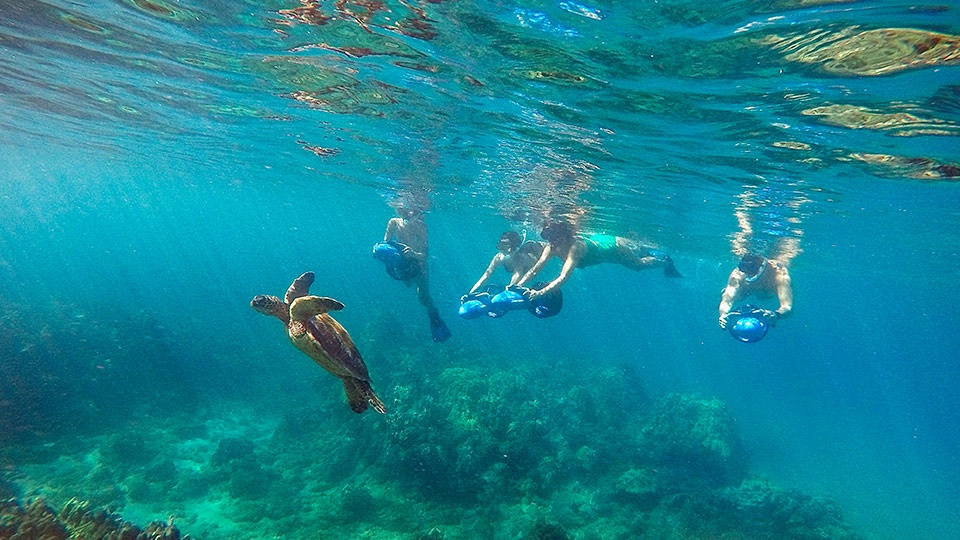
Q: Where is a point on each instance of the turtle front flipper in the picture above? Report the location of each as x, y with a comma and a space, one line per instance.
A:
310, 306
299, 287
360, 393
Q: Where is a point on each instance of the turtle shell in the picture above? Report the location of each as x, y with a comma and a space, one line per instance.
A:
324, 340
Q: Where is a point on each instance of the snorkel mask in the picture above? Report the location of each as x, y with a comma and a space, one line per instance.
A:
509, 242
411, 213
752, 267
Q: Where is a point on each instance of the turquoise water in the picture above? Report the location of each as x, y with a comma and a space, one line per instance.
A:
164, 162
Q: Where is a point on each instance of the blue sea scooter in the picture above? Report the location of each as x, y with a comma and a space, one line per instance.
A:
496, 301
750, 324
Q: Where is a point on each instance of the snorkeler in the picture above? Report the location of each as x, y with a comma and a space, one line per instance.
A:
756, 275
404, 254
514, 256
578, 251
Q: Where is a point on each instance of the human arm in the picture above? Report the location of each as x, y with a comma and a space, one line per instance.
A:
784, 292
392, 227
569, 264
730, 295
535, 269
494, 263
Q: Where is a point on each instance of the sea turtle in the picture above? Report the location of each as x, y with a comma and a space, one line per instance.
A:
320, 336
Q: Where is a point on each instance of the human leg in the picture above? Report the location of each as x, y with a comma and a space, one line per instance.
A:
637, 257
438, 329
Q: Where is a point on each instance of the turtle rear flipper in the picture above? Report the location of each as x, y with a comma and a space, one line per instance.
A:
360, 393
355, 398
299, 287
309, 306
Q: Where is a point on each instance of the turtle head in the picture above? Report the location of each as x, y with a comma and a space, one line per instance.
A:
271, 305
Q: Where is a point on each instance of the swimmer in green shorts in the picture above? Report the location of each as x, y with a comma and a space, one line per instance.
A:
577, 251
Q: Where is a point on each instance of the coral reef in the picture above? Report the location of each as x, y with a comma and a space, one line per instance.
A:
64, 366
475, 445
757, 509
36, 519
236, 464
696, 440
498, 433
552, 450
548, 531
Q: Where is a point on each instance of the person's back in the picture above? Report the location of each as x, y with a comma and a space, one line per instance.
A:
580, 251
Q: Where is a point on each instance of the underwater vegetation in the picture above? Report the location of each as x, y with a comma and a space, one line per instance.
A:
474, 446
36, 520
63, 367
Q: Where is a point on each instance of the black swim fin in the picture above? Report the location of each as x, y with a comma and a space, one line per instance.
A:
438, 328
670, 270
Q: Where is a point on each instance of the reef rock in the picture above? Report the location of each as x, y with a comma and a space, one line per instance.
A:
236, 463
757, 509
509, 431
639, 487
693, 442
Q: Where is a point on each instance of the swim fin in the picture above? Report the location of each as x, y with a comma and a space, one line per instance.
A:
670, 269
438, 328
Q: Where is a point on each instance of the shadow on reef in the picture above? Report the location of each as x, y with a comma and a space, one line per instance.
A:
76, 520
67, 371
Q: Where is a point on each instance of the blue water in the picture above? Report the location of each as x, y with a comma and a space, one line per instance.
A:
164, 162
